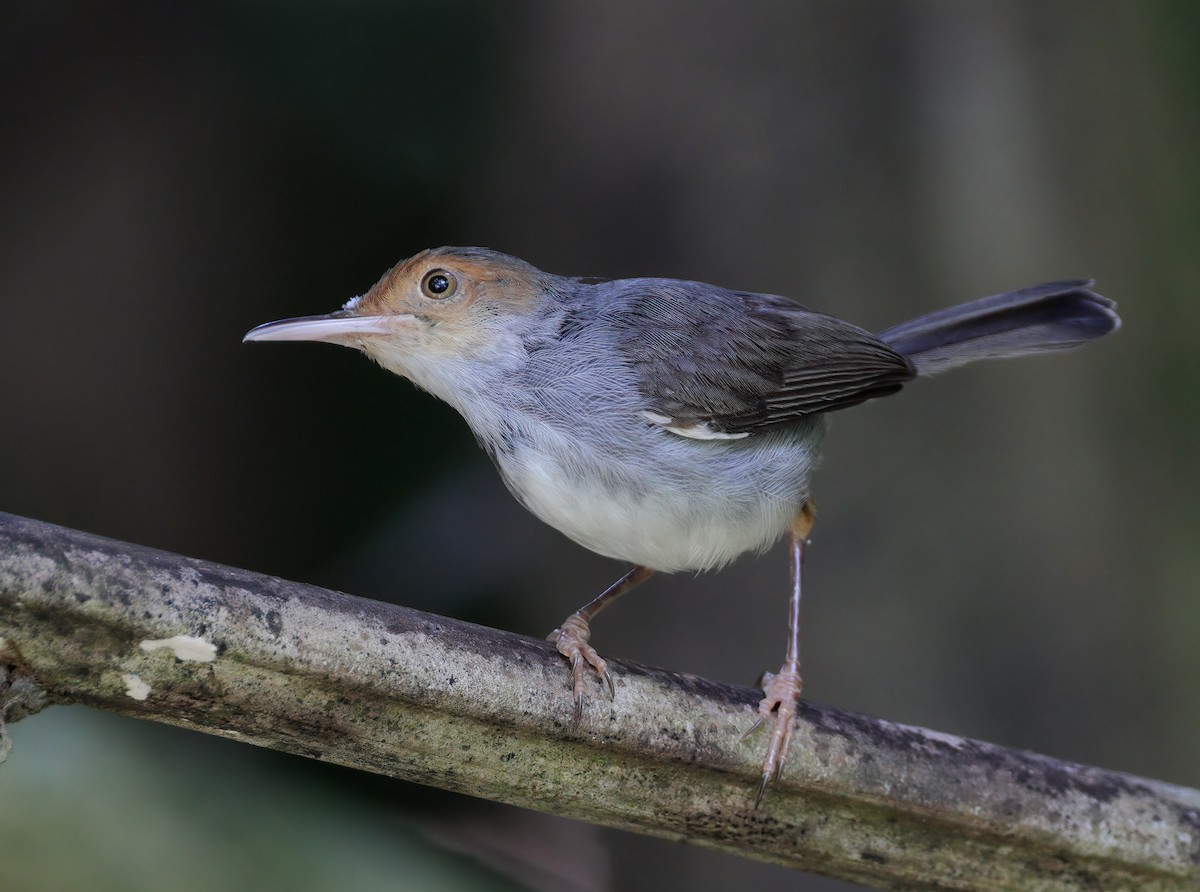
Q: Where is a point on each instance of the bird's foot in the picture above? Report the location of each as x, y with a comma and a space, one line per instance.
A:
571, 639
781, 697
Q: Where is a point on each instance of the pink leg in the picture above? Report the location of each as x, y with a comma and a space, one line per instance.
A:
571, 638
782, 690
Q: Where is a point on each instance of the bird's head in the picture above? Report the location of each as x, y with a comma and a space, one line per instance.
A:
433, 313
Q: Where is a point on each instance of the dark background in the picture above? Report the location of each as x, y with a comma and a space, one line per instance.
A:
1008, 552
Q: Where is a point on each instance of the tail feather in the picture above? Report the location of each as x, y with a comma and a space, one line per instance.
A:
1054, 316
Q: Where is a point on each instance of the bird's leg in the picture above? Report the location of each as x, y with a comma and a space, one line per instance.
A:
782, 690
571, 638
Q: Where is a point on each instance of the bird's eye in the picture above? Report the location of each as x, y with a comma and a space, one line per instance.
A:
438, 284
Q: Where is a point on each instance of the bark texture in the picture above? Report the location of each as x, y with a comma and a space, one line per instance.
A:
390, 690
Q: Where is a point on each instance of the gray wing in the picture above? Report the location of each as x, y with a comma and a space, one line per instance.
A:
713, 363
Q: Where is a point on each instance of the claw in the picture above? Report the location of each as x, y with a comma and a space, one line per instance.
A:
749, 731
571, 639
762, 791
781, 697
577, 685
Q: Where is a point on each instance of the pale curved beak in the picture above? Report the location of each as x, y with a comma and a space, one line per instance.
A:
335, 328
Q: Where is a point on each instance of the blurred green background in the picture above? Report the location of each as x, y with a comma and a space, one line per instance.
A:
1008, 552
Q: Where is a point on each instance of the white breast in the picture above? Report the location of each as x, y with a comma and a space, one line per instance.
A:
662, 501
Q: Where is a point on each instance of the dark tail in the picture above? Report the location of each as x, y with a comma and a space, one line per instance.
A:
1054, 316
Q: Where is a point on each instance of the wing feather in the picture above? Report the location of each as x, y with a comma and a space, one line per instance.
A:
734, 363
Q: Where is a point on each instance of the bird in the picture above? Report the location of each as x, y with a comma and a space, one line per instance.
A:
673, 425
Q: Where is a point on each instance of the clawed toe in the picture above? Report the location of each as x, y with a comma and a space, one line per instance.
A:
571, 639
779, 703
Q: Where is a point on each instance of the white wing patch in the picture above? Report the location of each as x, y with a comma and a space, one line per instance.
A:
691, 430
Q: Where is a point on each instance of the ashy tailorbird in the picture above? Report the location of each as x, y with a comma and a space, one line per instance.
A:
672, 425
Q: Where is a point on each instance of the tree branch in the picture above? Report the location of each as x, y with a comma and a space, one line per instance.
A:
386, 689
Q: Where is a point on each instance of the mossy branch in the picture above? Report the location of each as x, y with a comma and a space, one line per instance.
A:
397, 692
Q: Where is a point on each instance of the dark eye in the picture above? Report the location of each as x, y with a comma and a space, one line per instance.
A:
438, 284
